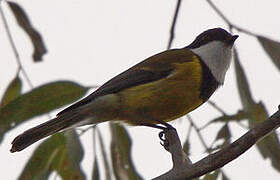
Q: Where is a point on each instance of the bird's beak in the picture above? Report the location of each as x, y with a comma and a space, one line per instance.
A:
232, 40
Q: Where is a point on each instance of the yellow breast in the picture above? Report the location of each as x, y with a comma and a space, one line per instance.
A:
165, 99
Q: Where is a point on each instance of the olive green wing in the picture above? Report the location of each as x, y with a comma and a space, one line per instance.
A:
152, 69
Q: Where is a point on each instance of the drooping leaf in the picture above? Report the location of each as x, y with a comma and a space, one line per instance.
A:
242, 83
224, 176
37, 102
74, 147
186, 147
24, 22
272, 48
54, 155
12, 91
212, 176
269, 146
95, 173
104, 157
224, 133
121, 154
239, 116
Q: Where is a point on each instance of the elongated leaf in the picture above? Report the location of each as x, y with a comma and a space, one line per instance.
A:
224, 176
186, 147
272, 48
37, 102
104, 156
224, 133
269, 146
239, 116
24, 22
95, 173
12, 91
212, 176
54, 155
121, 154
242, 83
74, 147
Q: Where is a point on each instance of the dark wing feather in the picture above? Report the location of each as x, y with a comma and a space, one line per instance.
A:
152, 69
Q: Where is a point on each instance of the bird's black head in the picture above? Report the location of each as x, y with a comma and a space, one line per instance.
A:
216, 34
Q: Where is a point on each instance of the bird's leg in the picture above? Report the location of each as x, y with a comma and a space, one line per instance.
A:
162, 135
164, 142
166, 127
153, 126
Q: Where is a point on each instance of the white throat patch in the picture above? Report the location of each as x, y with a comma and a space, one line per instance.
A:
217, 56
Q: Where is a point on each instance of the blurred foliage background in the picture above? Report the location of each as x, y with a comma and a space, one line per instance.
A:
62, 153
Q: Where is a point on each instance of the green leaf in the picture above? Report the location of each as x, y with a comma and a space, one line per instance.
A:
12, 91
242, 83
95, 173
212, 176
239, 116
224, 133
37, 102
24, 22
104, 156
74, 147
186, 147
224, 176
272, 48
54, 155
121, 154
269, 146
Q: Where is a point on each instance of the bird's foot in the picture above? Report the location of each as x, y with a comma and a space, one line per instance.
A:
164, 126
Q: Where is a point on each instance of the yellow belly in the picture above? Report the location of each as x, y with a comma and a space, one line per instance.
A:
165, 99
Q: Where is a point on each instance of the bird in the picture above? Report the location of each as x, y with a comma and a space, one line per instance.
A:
162, 88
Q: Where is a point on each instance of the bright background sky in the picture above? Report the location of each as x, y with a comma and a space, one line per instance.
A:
92, 41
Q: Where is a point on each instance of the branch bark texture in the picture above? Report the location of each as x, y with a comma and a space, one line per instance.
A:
218, 159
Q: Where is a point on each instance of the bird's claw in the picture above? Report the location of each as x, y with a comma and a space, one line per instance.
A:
164, 142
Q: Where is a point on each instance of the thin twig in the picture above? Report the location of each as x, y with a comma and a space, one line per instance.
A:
198, 133
242, 125
189, 132
172, 29
229, 23
208, 150
214, 105
214, 7
85, 130
10, 37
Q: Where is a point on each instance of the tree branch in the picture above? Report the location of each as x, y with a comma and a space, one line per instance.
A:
13, 45
172, 29
218, 159
227, 21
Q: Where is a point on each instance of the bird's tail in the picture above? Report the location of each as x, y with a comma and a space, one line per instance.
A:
43, 130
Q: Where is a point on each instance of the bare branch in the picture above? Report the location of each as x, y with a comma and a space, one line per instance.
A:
172, 34
215, 106
229, 23
198, 133
222, 157
20, 67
